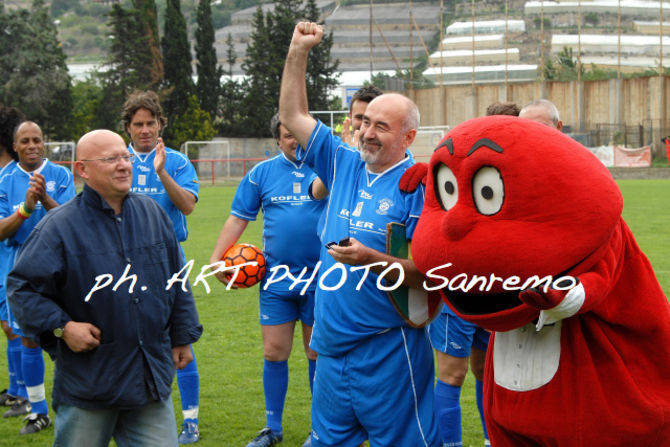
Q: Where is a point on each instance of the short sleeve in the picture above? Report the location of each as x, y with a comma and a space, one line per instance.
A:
414, 205
184, 174
247, 200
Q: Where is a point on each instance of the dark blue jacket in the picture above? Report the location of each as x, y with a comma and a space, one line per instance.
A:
57, 268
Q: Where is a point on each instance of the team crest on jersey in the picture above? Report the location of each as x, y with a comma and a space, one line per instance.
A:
298, 174
365, 195
51, 186
384, 206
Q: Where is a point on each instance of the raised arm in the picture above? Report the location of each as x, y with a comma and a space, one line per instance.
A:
293, 107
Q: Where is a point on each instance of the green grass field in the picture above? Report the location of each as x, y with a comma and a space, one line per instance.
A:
230, 355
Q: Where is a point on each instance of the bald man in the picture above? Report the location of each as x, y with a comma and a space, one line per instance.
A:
89, 286
543, 111
374, 373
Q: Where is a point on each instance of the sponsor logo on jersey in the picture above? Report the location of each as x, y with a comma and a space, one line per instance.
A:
51, 186
298, 174
365, 195
383, 206
344, 212
297, 188
358, 209
363, 224
143, 168
290, 198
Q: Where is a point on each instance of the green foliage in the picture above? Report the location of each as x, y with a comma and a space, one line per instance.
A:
128, 63
591, 18
149, 22
178, 83
564, 68
86, 98
33, 69
265, 58
537, 21
209, 74
192, 124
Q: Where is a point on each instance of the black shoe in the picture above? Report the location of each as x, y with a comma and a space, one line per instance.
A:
266, 438
36, 422
20, 407
6, 400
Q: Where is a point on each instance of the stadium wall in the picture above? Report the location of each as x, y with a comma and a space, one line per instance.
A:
583, 106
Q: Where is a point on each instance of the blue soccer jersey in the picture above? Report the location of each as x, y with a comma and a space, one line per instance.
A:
360, 204
147, 182
13, 187
5, 253
279, 187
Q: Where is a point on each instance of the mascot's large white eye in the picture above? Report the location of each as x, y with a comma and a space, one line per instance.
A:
446, 187
488, 190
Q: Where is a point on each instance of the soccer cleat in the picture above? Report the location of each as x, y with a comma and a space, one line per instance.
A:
20, 407
189, 433
36, 422
266, 438
308, 441
6, 399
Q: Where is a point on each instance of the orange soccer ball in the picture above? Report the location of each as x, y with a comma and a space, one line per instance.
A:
249, 274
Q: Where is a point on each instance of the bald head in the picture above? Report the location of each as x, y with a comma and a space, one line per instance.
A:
542, 111
404, 106
103, 161
389, 127
90, 145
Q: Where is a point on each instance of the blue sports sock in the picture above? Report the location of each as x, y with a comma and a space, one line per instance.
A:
448, 412
32, 363
479, 389
312, 369
188, 381
275, 384
14, 367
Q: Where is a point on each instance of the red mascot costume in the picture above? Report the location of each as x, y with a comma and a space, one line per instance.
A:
522, 233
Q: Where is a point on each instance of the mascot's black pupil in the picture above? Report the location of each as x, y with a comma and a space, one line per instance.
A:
487, 192
449, 187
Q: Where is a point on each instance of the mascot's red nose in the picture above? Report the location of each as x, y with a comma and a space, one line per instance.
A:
457, 223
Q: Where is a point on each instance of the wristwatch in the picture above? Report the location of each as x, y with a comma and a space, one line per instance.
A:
59, 331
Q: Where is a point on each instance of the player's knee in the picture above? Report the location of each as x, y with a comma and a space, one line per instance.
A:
452, 373
276, 353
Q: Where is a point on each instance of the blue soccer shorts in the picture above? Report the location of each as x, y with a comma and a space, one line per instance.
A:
454, 336
12, 322
282, 307
382, 390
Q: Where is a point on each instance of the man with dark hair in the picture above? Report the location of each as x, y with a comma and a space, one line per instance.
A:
115, 347
30, 189
9, 120
169, 178
278, 186
359, 102
503, 108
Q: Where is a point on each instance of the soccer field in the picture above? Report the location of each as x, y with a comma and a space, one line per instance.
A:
230, 354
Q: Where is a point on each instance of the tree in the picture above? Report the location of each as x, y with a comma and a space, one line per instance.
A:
34, 74
193, 124
149, 23
264, 64
128, 63
177, 83
231, 57
209, 74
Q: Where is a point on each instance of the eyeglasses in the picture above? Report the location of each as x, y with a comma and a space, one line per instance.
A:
111, 160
